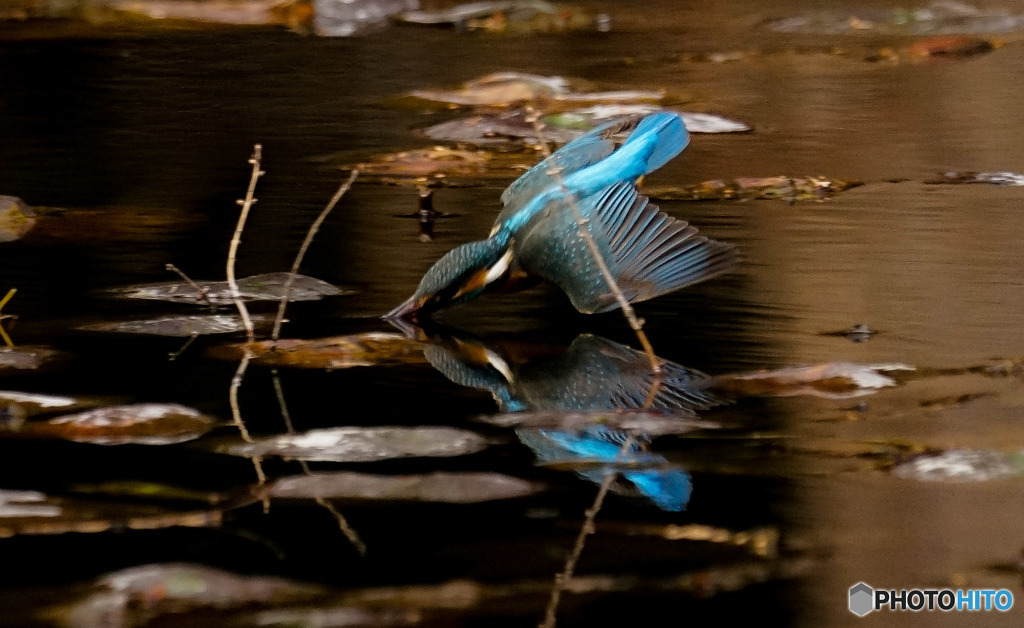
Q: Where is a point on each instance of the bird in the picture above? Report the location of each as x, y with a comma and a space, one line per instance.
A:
591, 184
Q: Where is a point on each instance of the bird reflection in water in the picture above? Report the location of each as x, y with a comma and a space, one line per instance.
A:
592, 375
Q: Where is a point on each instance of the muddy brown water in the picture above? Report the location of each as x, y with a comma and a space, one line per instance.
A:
162, 123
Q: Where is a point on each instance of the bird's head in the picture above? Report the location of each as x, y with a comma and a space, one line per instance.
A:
462, 274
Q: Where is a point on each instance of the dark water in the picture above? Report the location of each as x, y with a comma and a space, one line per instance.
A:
162, 123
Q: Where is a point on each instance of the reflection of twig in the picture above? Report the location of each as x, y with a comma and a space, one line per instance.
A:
188, 343
3, 334
602, 265
286, 292
588, 528
346, 529
236, 381
203, 294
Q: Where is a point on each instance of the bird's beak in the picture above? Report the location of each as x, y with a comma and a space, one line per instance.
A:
407, 310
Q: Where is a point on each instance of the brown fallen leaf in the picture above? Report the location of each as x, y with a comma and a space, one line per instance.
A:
140, 423
292, 13
751, 188
337, 352
951, 46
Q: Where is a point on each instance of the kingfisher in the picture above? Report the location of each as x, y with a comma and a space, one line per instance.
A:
591, 184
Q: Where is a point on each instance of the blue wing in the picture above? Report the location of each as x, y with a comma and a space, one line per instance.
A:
647, 251
588, 164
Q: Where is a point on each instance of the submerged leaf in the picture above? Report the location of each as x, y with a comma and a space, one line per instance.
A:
31, 513
649, 423
956, 465
267, 287
833, 380
16, 218
364, 444
177, 326
141, 424
750, 188
453, 488
29, 358
337, 352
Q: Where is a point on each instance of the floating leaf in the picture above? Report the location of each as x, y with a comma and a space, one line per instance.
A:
337, 352
439, 165
178, 326
956, 465
750, 188
513, 16
939, 17
589, 117
345, 18
834, 380
26, 504
950, 46
506, 88
141, 424
364, 444
139, 595
498, 128
514, 125
452, 488
649, 423
16, 218
34, 403
29, 358
992, 178
268, 287
238, 12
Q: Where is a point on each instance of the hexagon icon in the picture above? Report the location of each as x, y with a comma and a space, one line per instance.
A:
862, 599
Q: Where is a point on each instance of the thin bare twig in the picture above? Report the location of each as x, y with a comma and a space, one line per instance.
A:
202, 293
627, 310
305, 247
243, 312
246, 203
